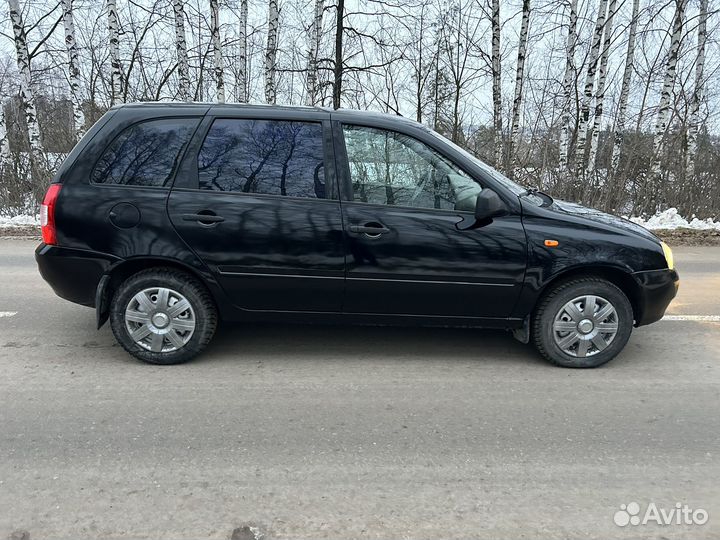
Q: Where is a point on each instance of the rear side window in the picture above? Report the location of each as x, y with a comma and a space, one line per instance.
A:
145, 154
271, 157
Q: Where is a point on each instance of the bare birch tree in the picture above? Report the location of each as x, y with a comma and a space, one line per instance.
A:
242, 74
73, 68
519, 79
625, 88
116, 75
27, 95
271, 52
589, 85
181, 48
4, 144
217, 51
663, 113
594, 130
698, 92
497, 83
312, 60
568, 86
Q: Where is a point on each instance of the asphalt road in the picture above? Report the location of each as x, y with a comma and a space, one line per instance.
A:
332, 432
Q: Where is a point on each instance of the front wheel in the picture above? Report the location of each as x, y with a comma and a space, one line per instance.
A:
582, 323
163, 316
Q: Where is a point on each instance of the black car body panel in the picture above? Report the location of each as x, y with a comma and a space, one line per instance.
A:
86, 268
267, 257
657, 289
587, 239
259, 253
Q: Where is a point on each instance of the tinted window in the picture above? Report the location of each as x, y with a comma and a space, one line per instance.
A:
390, 168
263, 156
145, 154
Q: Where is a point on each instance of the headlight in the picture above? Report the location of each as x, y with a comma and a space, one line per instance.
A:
668, 255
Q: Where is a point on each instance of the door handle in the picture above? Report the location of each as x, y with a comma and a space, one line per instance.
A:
206, 217
371, 230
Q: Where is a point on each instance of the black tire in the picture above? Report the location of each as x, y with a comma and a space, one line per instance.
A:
203, 307
554, 300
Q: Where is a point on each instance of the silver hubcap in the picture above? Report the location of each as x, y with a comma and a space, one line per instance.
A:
160, 319
585, 326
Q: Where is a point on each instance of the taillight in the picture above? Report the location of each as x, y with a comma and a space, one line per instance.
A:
47, 215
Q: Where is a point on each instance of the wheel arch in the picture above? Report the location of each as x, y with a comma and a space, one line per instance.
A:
118, 273
622, 279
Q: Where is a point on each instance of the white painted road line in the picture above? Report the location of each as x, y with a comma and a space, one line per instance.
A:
8, 313
710, 318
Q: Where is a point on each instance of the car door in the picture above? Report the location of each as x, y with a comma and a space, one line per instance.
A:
258, 206
406, 211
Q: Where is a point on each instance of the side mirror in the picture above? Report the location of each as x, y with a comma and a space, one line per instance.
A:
488, 205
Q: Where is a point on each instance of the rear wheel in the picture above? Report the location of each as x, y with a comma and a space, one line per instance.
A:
163, 316
582, 323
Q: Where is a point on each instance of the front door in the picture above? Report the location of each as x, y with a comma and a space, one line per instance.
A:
406, 254
262, 217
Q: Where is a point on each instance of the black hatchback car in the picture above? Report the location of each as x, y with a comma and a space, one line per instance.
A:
168, 217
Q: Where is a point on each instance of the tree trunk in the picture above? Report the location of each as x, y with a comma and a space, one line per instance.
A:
663, 114
73, 68
519, 77
421, 71
242, 85
497, 87
436, 90
27, 96
271, 52
181, 48
588, 92
217, 51
419, 82
338, 69
698, 92
312, 64
625, 89
568, 86
116, 82
4, 145
600, 91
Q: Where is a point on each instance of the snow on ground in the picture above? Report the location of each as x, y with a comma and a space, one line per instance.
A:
19, 221
668, 219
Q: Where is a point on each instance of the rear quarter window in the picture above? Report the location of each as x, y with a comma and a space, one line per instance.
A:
145, 154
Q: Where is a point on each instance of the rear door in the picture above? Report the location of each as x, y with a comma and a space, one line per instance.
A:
406, 209
257, 202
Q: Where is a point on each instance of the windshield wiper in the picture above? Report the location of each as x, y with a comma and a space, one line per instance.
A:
536, 191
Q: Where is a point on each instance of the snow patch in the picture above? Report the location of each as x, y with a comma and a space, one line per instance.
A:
671, 219
20, 221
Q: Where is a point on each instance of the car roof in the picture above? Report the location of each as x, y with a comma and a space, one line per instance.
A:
349, 115
208, 104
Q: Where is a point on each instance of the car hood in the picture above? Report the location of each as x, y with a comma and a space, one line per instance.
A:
591, 214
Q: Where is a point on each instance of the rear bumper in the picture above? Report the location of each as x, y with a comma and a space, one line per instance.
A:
656, 291
73, 274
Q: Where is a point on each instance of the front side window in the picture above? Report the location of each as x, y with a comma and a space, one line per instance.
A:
145, 154
263, 156
394, 169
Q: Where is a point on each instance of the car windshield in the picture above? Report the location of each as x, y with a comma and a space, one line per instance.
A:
514, 187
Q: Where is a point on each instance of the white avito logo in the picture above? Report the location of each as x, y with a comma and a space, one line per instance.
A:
680, 514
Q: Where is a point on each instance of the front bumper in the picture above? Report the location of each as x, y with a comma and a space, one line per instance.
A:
656, 290
73, 274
